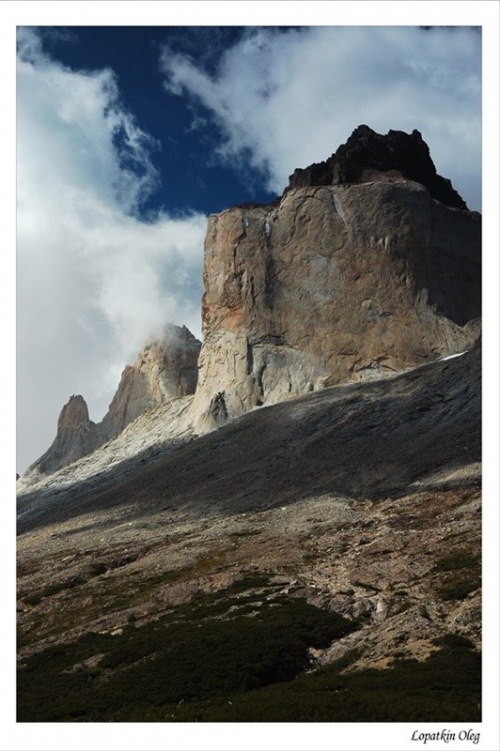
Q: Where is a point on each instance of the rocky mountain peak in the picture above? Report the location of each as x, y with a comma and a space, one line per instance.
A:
166, 368
73, 414
368, 156
76, 436
369, 264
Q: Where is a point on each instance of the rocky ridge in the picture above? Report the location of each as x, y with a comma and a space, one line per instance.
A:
367, 156
165, 370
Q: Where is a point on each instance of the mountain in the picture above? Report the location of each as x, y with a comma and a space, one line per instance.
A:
245, 546
335, 283
165, 369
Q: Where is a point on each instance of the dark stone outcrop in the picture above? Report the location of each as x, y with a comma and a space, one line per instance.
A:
369, 156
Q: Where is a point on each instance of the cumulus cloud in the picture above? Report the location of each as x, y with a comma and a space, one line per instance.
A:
93, 280
285, 99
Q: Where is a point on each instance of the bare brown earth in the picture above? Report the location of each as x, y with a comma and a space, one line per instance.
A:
364, 498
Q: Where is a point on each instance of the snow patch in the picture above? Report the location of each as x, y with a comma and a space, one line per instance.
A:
459, 354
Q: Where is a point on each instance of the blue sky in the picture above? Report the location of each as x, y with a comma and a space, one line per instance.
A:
185, 136
129, 136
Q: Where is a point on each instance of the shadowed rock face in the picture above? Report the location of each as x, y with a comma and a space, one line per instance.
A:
336, 283
420, 430
368, 156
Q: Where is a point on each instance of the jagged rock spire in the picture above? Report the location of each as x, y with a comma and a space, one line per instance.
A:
166, 368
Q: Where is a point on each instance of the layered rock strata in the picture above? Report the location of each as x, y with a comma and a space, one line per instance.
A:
335, 283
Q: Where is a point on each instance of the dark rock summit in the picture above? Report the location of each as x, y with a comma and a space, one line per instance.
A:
368, 156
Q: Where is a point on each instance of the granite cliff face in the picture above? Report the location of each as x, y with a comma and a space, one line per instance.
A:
76, 436
335, 283
165, 369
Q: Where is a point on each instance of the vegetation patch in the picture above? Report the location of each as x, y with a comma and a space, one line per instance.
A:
453, 641
458, 589
241, 655
209, 648
444, 688
457, 562
54, 589
245, 533
112, 595
459, 575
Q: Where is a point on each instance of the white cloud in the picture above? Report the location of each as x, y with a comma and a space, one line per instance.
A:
93, 281
287, 99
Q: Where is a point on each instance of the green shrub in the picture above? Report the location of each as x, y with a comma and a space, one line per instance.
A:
453, 641
198, 651
204, 663
456, 562
459, 589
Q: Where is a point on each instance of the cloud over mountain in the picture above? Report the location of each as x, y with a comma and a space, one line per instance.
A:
94, 279
286, 98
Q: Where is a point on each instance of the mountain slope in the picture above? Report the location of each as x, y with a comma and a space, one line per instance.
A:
361, 440
164, 370
362, 499
246, 552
